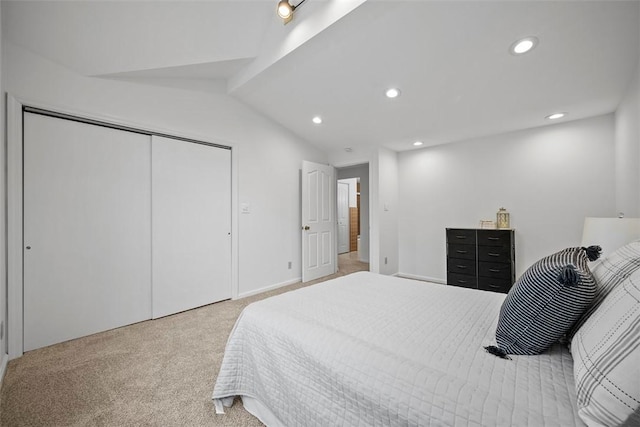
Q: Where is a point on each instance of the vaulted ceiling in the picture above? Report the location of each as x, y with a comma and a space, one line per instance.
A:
450, 59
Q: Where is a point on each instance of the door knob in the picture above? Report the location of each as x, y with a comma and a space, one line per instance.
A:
306, 227
28, 247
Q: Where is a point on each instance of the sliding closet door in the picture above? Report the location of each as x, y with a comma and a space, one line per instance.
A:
87, 229
191, 206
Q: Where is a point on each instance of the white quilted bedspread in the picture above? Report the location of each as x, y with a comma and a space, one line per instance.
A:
373, 350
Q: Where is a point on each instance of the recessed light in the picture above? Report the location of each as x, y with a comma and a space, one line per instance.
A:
317, 120
392, 92
523, 45
417, 143
555, 116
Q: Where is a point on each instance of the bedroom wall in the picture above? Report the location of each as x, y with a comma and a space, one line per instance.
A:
628, 150
388, 210
548, 178
269, 157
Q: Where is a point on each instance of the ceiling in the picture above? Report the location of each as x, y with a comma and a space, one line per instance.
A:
450, 60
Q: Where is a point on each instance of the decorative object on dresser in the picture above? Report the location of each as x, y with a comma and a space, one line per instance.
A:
481, 259
502, 219
487, 224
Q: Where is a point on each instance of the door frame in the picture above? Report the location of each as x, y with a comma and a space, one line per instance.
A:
348, 217
373, 227
14, 182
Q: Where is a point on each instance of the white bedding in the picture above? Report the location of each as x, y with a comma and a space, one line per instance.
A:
373, 350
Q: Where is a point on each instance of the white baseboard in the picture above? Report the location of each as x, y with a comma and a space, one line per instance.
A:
269, 288
422, 278
3, 367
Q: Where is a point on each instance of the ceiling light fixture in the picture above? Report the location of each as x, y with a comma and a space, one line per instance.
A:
417, 143
317, 120
556, 116
392, 92
285, 10
523, 45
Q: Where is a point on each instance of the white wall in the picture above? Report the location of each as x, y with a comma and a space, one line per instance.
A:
548, 178
388, 210
628, 150
269, 157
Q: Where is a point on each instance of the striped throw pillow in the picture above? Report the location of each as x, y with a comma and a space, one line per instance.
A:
606, 359
545, 302
609, 273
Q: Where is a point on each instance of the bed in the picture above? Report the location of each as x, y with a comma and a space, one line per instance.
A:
373, 350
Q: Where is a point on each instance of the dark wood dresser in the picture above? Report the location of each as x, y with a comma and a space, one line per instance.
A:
481, 259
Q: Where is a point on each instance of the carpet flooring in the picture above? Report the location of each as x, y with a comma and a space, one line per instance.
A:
154, 373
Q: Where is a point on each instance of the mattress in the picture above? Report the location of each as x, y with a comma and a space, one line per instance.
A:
373, 350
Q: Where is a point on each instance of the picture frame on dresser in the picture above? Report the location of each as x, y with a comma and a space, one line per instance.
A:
481, 258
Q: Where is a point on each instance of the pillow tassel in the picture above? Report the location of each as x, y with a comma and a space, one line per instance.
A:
497, 351
568, 276
593, 252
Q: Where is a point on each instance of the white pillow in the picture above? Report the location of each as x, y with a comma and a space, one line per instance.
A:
606, 354
609, 273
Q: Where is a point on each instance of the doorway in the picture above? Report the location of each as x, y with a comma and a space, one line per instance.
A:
354, 251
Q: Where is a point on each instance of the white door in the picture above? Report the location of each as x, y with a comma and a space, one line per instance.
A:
318, 225
343, 217
191, 225
87, 229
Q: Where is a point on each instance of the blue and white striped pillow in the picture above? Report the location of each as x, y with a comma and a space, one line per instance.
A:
606, 359
545, 302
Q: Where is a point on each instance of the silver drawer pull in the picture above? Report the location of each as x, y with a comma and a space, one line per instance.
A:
493, 270
493, 238
492, 254
461, 252
461, 266
462, 281
461, 237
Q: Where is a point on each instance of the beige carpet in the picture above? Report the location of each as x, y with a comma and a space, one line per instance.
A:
154, 373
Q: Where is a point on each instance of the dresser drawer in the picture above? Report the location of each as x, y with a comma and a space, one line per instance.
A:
494, 270
494, 237
462, 266
461, 251
461, 280
461, 236
494, 253
494, 285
